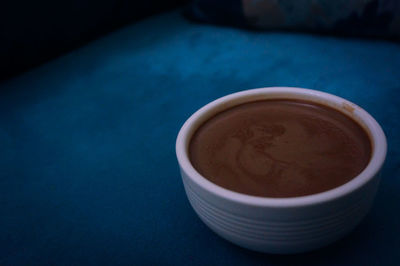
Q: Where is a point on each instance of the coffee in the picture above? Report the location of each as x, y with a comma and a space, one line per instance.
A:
280, 148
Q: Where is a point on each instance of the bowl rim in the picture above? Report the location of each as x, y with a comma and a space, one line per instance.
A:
375, 132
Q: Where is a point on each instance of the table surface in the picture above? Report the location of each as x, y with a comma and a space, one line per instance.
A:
88, 173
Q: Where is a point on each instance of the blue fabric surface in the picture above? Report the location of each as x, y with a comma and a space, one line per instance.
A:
88, 173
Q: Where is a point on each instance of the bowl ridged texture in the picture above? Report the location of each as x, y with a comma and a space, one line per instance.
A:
313, 228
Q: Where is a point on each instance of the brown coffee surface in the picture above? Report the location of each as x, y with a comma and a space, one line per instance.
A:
280, 148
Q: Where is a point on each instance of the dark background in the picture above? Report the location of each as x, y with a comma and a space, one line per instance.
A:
32, 32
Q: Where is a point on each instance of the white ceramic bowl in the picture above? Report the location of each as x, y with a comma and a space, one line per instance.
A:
282, 225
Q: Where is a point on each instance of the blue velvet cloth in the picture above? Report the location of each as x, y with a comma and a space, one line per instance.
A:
88, 174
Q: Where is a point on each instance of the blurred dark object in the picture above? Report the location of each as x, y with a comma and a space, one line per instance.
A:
33, 32
360, 18
224, 12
